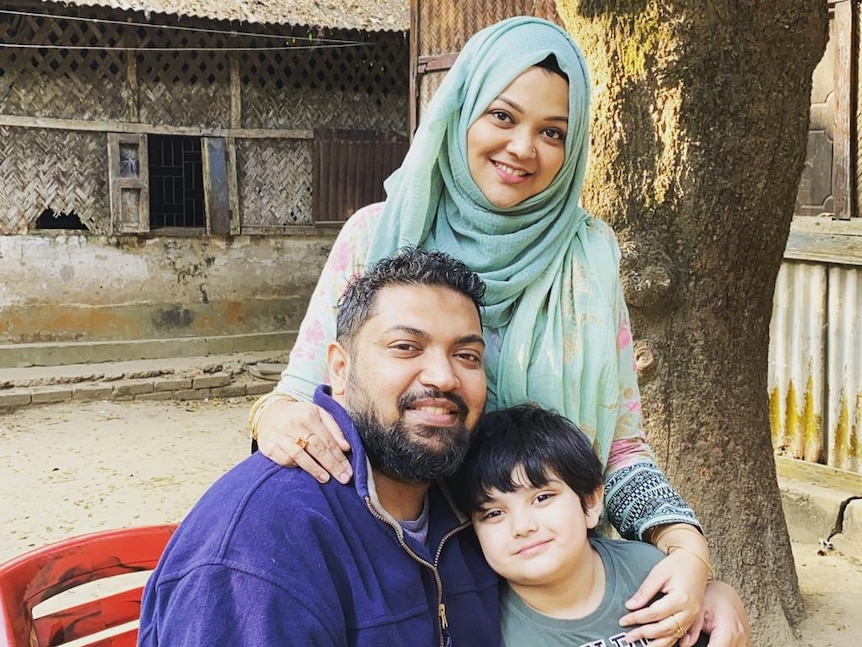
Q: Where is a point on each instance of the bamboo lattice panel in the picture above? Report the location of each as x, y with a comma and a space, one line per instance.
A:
186, 87
61, 83
339, 87
275, 183
52, 169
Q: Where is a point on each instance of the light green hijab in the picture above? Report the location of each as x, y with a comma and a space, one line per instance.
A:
549, 275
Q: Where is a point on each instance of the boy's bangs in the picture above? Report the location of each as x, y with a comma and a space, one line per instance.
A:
499, 471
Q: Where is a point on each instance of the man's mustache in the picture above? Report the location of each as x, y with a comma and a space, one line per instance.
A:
406, 400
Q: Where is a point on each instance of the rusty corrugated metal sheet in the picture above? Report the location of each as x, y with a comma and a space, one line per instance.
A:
349, 170
368, 15
797, 356
844, 368
815, 364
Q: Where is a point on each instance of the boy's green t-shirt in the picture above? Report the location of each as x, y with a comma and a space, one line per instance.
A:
626, 564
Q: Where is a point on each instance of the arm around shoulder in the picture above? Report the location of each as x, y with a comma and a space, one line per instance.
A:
306, 367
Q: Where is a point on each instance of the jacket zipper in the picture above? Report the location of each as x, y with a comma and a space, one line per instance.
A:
443, 621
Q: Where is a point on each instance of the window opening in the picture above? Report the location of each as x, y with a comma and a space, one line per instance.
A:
49, 219
129, 162
176, 182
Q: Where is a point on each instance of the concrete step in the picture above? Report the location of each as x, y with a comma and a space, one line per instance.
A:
180, 378
90, 352
822, 505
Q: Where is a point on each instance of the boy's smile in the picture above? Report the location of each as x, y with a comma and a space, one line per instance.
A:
536, 537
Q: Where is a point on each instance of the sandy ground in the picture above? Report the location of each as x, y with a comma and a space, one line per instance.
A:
74, 468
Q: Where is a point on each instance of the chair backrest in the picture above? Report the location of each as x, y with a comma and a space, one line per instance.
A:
43, 573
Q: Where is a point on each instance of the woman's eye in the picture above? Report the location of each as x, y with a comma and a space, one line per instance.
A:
543, 496
553, 133
501, 115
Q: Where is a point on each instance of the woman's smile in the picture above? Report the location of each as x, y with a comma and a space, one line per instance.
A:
517, 145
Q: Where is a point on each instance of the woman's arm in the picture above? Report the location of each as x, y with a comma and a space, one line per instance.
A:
638, 496
287, 428
306, 367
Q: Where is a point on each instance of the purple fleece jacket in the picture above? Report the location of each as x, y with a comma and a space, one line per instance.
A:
271, 557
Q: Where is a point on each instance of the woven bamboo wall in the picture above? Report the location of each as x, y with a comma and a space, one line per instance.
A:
183, 88
274, 177
60, 83
363, 87
63, 170
357, 88
445, 25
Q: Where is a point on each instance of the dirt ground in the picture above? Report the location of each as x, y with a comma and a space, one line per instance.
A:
75, 468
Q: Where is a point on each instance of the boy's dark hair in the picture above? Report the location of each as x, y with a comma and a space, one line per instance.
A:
411, 266
543, 442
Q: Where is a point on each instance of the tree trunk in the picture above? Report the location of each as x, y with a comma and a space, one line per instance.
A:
699, 133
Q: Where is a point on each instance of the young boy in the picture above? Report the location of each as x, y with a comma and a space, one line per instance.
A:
533, 487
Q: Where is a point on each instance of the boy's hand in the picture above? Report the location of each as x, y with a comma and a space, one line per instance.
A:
725, 621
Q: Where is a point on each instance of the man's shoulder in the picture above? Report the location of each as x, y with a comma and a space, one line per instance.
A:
257, 476
254, 508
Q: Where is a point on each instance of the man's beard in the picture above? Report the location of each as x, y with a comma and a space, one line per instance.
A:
399, 451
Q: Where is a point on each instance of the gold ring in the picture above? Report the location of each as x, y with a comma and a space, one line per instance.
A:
303, 442
680, 632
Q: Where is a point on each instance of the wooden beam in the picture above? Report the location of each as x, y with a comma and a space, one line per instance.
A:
233, 188
844, 29
841, 250
132, 84
150, 129
235, 92
414, 63
437, 63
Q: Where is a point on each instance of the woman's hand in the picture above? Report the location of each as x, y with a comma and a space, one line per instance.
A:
678, 614
301, 434
680, 579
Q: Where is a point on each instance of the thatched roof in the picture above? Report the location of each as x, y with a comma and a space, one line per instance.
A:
370, 15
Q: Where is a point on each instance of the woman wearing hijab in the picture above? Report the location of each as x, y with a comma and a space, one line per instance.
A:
493, 177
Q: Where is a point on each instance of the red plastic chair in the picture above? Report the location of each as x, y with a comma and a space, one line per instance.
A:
42, 573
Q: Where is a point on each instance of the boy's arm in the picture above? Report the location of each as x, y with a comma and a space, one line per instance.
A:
216, 605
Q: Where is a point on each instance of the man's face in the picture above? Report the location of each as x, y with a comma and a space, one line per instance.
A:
413, 381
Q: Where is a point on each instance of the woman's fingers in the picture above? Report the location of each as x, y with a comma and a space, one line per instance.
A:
663, 633
325, 448
679, 579
726, 621
301, 434
663, 623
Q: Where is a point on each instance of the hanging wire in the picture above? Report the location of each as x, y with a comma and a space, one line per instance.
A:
176, 49
320, 43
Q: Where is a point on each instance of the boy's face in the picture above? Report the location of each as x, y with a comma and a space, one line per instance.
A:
536, 536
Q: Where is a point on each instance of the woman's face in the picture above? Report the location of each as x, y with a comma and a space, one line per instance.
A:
517, 146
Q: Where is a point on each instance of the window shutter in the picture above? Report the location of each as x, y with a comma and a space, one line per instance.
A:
128, 179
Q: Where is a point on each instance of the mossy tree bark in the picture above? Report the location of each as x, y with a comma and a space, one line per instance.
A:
699, 133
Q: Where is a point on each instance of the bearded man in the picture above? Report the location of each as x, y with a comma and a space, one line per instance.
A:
269, 556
